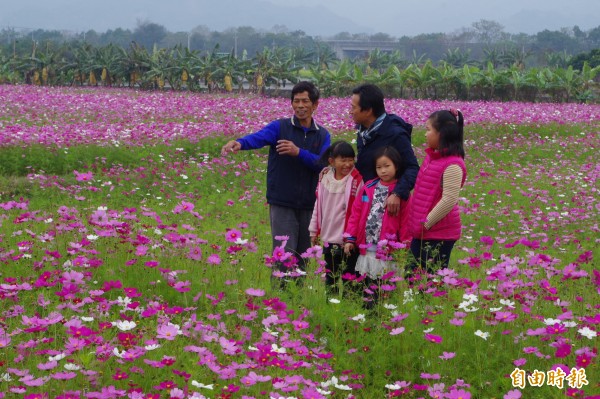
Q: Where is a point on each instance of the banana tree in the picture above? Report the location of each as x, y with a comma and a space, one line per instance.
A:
163, 69
40, 66
491, 79
106, 64
231, 71
419, 78
447, 81
567, 81
338, 81
518, 80
135, 63
205, 70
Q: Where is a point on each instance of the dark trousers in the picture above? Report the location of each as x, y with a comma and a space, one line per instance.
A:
292, 223
430, 255
338, 263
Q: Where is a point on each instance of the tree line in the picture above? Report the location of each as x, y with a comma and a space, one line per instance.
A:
504, 71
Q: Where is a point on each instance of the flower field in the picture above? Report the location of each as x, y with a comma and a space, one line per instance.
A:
135, 260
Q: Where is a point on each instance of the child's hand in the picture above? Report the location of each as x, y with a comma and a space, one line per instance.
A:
314, 240
323, 172
348, 248
393, 204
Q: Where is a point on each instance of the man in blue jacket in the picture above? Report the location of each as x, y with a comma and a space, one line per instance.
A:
296, 145
377, 129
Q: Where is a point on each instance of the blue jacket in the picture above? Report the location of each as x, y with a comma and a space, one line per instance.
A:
291, 181
394, 132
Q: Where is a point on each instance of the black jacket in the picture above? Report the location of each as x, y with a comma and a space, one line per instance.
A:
394, 132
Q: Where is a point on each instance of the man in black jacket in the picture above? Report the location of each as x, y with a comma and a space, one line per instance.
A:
377, 129
296, 145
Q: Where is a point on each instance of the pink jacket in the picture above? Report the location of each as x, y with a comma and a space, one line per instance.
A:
391, 225
353, 187
427, 193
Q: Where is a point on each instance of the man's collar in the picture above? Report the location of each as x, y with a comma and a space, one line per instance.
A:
313, 124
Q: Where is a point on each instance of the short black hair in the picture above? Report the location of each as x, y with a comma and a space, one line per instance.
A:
393, 155
370, 97
339, 148
450, 127
301, 87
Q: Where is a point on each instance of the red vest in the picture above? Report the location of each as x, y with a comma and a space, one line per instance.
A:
428, 192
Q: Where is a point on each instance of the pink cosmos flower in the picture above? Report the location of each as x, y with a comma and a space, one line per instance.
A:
233, 235
458, 394
436, 339
214, 259
563, 350
195, 253
557, 328
83, 176
168, 332
4, 341
183, 206
506, 316
514, 394
300, 325
520, 362
255, 292
280, 254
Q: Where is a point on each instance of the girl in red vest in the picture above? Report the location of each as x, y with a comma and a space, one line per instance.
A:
336, 192
434, 217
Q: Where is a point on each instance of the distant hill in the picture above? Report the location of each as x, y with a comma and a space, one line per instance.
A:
176, 15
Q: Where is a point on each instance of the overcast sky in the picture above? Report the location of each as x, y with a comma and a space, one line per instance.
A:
315, 17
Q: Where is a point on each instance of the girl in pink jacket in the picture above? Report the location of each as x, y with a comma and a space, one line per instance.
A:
336, 192
370, 228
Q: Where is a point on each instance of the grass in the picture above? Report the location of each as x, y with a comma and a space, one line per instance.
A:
533, 183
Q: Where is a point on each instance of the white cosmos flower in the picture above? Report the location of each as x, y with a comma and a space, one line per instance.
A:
124, 325
359, 317
71, 367
124, 301
482, 334
277, 349
273, 333
58, 357
201, 385
92, 237
587, 332
151, 347
117, 353
551, 322
390, 306
507, 303
334, 300
470, 297
86, 318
